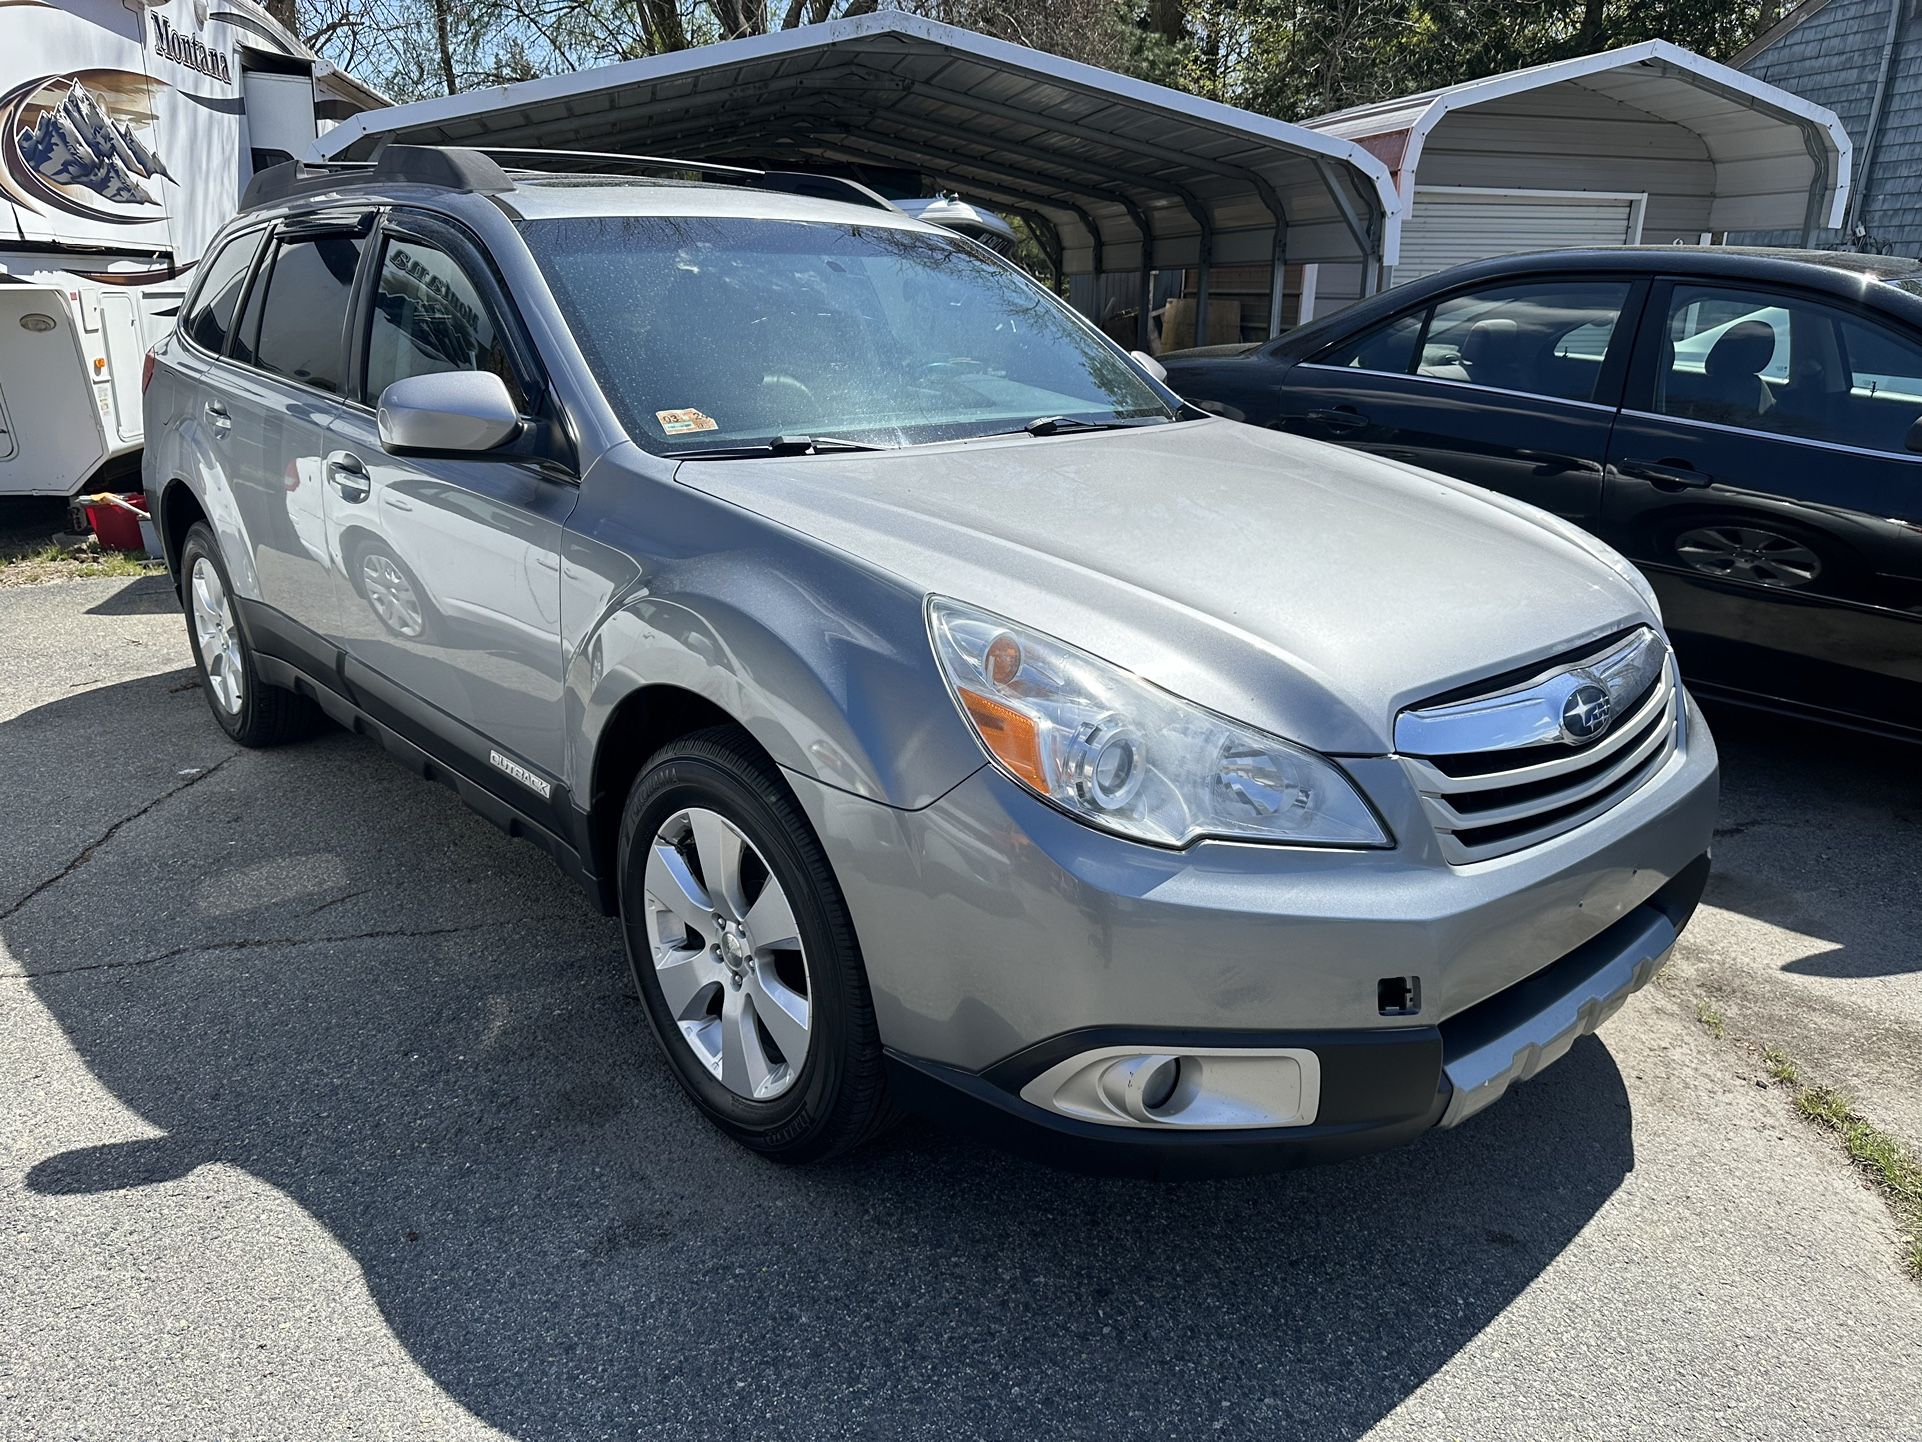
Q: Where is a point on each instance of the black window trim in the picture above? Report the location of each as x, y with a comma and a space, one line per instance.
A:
300, 229
1616, 364
550, 439
258, 233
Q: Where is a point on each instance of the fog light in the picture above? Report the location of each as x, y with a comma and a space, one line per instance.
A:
1222, 1088
1141, 1085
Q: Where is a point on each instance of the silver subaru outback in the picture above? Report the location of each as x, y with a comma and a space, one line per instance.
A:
955, 720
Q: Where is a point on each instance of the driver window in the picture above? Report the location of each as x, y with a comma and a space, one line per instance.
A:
1388, 347
429, 317
1546, 338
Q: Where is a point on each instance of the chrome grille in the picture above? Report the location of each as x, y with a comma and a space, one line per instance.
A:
1502, 771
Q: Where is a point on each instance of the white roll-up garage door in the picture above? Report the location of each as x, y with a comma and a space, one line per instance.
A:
1450, 227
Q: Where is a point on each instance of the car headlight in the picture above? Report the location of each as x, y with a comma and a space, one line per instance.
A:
1122, 754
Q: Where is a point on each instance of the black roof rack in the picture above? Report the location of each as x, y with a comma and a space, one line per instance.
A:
444, 167
479, 171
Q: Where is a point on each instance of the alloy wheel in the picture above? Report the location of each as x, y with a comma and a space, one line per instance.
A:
391, 595
727, 954
217, 637
1742, 553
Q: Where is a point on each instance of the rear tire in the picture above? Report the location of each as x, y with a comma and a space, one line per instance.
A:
249, 710
743, 952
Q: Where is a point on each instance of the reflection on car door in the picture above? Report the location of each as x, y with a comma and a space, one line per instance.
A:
448, 570
291, 341
1760, 474
1511, 385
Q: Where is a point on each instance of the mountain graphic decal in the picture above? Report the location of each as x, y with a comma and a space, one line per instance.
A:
83, 148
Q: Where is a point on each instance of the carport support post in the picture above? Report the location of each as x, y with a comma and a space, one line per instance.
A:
1144, 336
1280, 265
1201, 283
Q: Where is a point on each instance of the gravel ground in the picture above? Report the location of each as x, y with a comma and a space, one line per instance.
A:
329, 1113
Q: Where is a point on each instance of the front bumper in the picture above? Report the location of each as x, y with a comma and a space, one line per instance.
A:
1001, 936
1378, 1087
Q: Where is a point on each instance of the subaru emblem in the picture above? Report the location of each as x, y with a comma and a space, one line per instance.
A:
1586, 713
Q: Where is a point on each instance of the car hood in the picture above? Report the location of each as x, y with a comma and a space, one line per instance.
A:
1303, 588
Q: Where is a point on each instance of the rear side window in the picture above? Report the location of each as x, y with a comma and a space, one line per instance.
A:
1789, 365
303, 315
210, 319
429, 317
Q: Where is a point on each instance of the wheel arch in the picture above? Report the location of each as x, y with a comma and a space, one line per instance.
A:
180, 508
639, 725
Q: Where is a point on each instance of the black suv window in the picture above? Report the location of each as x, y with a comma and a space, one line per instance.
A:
303, 314
430, 317
210, 317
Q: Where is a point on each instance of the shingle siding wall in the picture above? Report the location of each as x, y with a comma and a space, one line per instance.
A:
1834, 58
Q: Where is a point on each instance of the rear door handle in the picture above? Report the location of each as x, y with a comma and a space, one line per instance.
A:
1343, 418
348, 476
217, 416
1666, 473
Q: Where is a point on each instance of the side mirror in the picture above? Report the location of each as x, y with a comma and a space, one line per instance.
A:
1149, 364
1914, 441
454, 412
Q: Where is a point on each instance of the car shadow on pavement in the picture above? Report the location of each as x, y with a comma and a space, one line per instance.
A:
326, 973
1819, 835
149, 596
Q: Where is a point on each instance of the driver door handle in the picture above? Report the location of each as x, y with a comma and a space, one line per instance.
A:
1342, 418
348, 476
1666, 473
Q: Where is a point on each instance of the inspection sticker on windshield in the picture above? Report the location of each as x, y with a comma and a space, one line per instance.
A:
679, 423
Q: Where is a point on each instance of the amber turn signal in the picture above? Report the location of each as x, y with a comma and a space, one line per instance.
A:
1013, 736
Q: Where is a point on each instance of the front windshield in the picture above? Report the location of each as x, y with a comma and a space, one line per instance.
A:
708, 332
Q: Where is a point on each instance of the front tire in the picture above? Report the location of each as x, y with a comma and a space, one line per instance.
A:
744, 953
247, 708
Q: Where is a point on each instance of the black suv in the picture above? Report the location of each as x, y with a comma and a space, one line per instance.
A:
1743, 424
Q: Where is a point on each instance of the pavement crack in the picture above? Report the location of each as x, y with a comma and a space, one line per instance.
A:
257, 943
333, 901
87, 853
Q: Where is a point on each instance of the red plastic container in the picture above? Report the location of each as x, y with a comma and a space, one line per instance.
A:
117, 527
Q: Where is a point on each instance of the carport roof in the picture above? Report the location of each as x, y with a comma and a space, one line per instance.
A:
1739, 118
1100, 156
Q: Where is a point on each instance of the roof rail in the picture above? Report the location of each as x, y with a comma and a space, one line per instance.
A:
478, 170
444, 167
596, 162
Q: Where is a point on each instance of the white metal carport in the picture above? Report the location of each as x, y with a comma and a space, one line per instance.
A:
1650, 142
1119, 177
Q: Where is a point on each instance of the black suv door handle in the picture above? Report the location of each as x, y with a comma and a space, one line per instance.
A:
1342, 418
1666, 473
348, 475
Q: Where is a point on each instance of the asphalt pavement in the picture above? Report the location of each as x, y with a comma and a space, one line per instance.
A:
329, 1113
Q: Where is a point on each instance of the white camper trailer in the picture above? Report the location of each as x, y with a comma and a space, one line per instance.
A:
127, 133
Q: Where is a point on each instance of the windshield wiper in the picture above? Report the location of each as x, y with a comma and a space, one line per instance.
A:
780, 446
1068, 425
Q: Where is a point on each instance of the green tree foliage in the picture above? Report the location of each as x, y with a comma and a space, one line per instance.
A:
1288, 58
1300, 58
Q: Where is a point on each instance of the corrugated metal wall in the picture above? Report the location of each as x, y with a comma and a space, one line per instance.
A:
1834, 58
1571, 138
